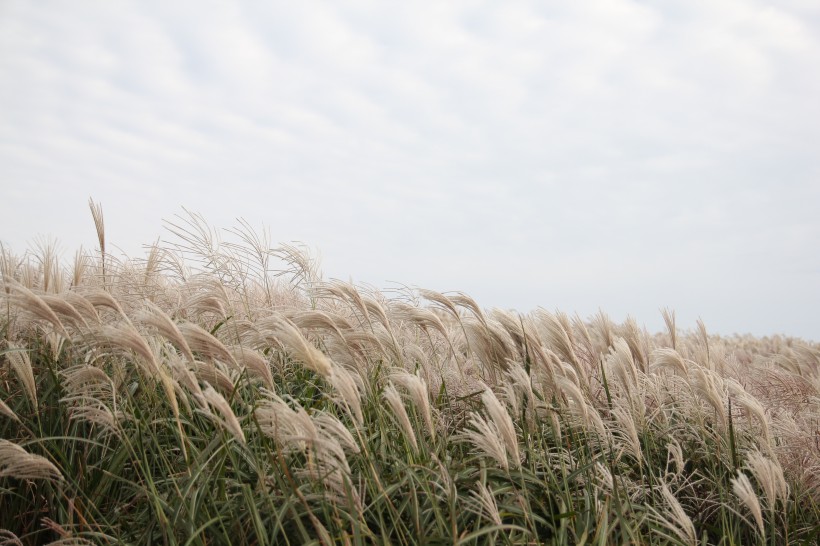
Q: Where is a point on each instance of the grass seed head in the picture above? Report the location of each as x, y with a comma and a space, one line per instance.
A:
16, 462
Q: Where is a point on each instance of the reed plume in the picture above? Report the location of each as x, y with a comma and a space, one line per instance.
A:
16, 462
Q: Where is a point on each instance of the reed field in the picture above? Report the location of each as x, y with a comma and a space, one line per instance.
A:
221, 391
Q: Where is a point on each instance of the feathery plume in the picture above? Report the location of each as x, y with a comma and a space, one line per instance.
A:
675, 453
629, 430
83, 307
709, 385
752, 405
417, 388
635, 341
216, 374
670, 359
16, 462
152, 315
124, 336
674, 518
348, 393
228, 419
577, 402
486, 438
603, 325
393, 399
21, 364
769, 475
8, 412
620, 360
255, 363
99, 224
59, 304
559, 336
503, 422
7, 538
485, 500
101, 298
465, 301
30, 302
204, 343
669, 319
286, 333
742, 488
89, 393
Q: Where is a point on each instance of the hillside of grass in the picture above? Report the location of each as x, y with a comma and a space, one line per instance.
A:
221, 392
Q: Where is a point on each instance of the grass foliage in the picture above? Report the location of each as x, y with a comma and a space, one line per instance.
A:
220, 391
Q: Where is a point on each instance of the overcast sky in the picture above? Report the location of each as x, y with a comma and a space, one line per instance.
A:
612, 154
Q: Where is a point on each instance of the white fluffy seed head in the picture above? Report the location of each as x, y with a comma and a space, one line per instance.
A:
417, 389
228, 419
391, 395
21, 364
743, 489
16, 462
503, 422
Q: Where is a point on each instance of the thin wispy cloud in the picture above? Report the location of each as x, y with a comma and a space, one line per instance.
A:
607, 154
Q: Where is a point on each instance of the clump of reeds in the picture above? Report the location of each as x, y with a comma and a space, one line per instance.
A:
220, 391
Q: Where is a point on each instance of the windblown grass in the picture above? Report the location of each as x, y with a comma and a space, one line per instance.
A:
225, 393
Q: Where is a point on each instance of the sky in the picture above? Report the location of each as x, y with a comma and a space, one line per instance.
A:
605, 154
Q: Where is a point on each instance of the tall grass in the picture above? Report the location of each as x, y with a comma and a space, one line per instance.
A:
225, 393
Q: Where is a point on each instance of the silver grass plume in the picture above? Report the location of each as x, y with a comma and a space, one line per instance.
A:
675, 454
466, 302
83, 306
91, 397
204, 343
16, 462
217, 374
126, 337
674, 518
496, 437
576, 401
286, 333
101, 298
742, 488
669, 320
623, 371
769, 475
504, 422
255, 363
560, 337
485, 501
186, 377
636, 341
7, 538
99, 224
624, 417
322, 438
391, 395
417, 389
709, 386
153, 316
668, 359
486, 438
227, 418
348, 393
752, 405
21, 364
8, 412
312, 319
28, 301
61, 306
602, 325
